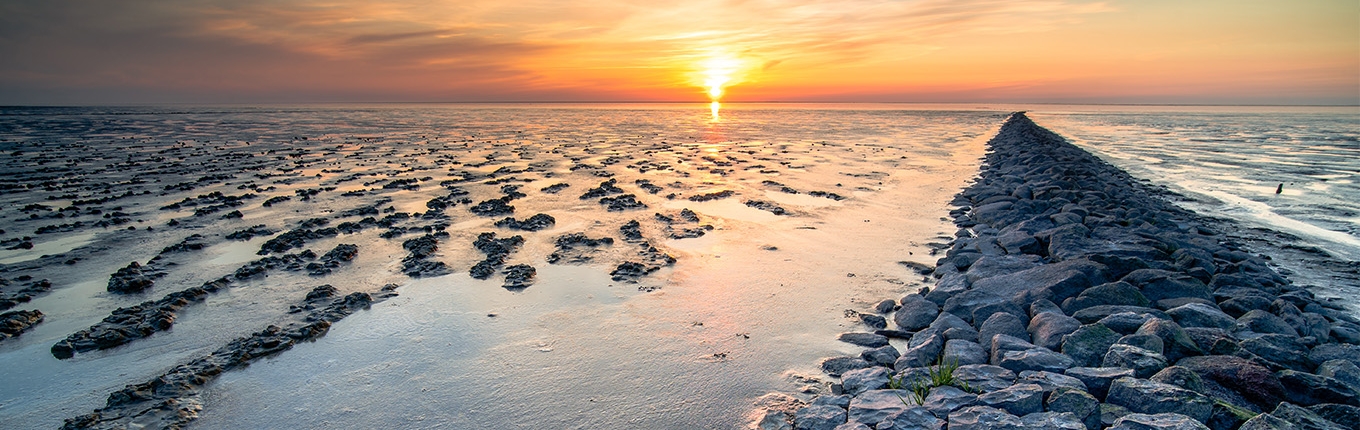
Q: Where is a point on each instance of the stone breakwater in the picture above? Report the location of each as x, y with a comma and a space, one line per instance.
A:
1077, 297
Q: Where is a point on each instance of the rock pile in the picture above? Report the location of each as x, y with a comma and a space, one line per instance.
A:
1077, 297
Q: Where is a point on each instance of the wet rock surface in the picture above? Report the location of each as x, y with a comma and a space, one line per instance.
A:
14, 323
1116, 308
172, 400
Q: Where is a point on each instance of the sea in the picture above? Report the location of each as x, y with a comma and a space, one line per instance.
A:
783, 220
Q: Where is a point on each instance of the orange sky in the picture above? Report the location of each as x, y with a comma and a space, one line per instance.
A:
1149, 51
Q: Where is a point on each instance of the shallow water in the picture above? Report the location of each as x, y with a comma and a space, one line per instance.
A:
1230, 161
746, 308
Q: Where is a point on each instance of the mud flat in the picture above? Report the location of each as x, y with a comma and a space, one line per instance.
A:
1076, 296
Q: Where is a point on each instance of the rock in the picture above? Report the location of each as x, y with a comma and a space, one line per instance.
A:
1280, 349
819, 417
853, 426
983, 418
1177, 343
14, 323
1149, 397
837, 366
883, 356
1201, 315
923, 354
1160, 284
1110, 413
885, 306
1267, 422
1143, 362
964, 352
1003, 343
1098, 379
917, 418
1166, 421
1260, 321
1047, 329
1080, 404
1253, 381
841, 401
916, 313
1060, 280
945, 399
1334, 351
1053, 420
874, 322
1126, 322
984, 377
1050, 381
1342, 370
1088, 345
996, 265
774, 420
1227, 416
1180, 377
1036, 359
1336, 413
1213, 341
1305, 419
875, 406
1002, 323
1096, 313
1114, 293
868, 340
1145, 341
1019, 399
1308, 389
860, 380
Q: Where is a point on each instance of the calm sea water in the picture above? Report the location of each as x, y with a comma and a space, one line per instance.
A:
748, 308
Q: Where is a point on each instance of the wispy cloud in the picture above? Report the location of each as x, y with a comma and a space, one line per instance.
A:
551, 50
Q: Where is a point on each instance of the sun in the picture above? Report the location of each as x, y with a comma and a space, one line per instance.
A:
719, 72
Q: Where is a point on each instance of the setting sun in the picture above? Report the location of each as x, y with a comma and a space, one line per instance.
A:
718, 72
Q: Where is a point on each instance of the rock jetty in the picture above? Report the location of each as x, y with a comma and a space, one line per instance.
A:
1077, 297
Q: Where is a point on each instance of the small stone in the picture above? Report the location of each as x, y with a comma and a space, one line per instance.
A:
883, 356
885, 306
838, 365
1165, 421
868, 340
915, 313
874, 322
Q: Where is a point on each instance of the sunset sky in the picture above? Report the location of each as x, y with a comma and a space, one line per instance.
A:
1145, 51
